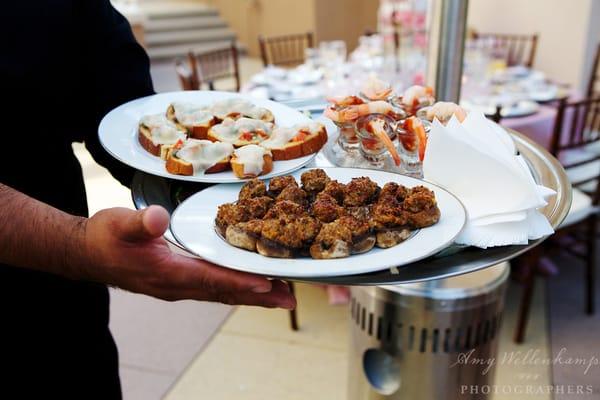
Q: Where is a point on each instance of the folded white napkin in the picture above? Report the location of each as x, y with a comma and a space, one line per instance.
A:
476, 160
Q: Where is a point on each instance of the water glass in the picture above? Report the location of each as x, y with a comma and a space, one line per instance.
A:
312, 57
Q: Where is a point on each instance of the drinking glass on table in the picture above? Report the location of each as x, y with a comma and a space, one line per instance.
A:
333, 55
335, 51
312, 57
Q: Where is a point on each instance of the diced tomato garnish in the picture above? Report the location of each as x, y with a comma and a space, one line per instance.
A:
247, 136
300, 136
178, 144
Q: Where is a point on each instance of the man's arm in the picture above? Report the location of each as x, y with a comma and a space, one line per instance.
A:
123, 248
35, 235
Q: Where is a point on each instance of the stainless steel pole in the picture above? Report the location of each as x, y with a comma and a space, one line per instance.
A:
447, 42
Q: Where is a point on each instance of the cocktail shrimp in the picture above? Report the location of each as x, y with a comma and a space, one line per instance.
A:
376, 89
351, 113
345, 101
415, 95
443, 111
377, 127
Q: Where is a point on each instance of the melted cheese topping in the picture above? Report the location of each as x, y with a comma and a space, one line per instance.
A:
162, 131
280, 137
230, 130
252, 157
203, 154
189, 114
312, 127
221, 109
283, 135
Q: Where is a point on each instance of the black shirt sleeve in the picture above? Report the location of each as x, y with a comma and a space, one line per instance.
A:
119, 69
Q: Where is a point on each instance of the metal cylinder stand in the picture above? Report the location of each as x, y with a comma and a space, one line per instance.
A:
426, 340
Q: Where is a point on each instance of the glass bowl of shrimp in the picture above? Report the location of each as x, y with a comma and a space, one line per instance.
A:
414, 98
376, 134
345, 111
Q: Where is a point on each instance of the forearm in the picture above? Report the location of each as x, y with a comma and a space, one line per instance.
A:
124, 248
38, 236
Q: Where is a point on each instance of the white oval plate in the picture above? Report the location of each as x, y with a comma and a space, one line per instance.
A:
118, 133
193, 226
522, 108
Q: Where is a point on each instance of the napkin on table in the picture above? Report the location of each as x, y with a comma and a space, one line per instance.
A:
476, 160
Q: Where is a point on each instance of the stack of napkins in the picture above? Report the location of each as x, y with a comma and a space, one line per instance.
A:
476, 160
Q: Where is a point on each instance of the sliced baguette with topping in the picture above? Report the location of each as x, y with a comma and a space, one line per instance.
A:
297, 141
251, 161
198, 156
241, 132
236, 108
193, 118
157, 135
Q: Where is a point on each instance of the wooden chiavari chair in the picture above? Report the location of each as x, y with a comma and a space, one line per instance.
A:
520, 48
215, 65
208, 67
286, 50
185, 75
575, 141
594, 81
497, 116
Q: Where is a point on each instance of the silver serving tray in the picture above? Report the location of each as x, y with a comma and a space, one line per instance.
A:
148, 189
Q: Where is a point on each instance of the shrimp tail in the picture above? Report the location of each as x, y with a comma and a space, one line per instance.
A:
385, 94
415, 125
349, 113
379, 131
332, 114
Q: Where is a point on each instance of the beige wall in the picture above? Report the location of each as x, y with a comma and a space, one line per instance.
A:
563, 26
328, 19
345, 19
250, 18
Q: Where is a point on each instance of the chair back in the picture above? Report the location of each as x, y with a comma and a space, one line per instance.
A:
286, 50
370, 32
576, 143
185, 75
214, 65
497, 115
520, 49
595, 76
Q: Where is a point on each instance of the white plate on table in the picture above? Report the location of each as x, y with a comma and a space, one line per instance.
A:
193, 226
118, 133
521, 108
549, 94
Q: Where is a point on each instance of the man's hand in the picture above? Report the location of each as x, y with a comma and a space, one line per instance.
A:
126, 249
